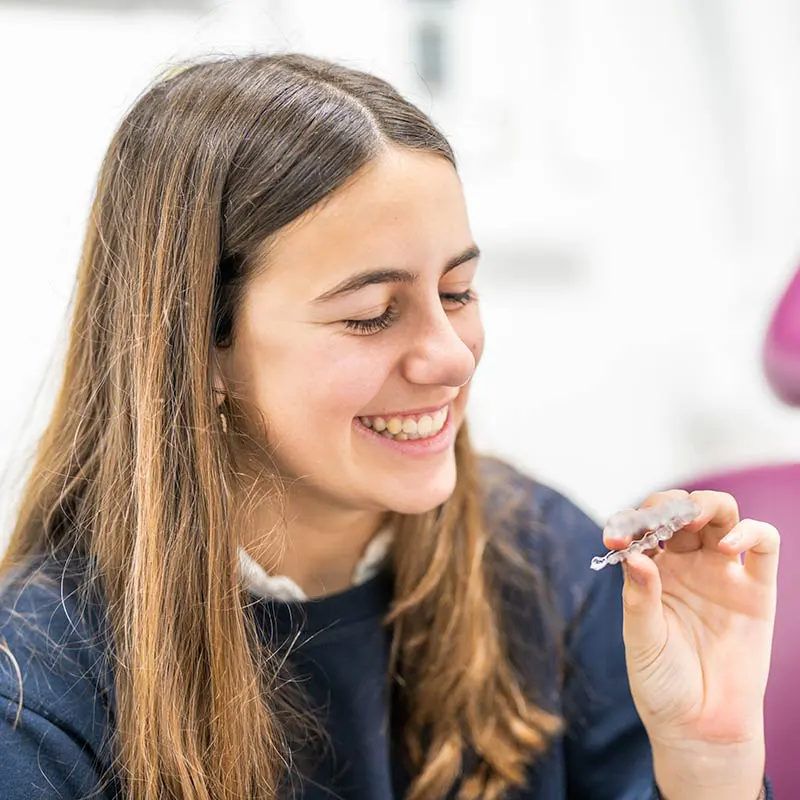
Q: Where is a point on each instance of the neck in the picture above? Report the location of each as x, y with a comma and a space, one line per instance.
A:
316, 544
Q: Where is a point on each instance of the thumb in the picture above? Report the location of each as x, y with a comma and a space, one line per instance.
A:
644, 628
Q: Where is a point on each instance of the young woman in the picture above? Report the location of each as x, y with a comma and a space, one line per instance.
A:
256, 556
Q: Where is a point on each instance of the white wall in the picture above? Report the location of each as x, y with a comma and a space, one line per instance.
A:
632, 173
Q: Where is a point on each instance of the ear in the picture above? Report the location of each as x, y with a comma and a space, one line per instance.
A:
218, 383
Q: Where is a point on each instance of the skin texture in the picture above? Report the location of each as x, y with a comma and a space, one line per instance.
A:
311, 375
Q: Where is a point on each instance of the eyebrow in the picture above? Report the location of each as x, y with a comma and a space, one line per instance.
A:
370, 278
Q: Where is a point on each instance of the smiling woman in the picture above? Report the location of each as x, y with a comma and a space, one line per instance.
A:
256, 555
321, 323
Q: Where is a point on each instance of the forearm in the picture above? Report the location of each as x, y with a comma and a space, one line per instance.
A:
709, 773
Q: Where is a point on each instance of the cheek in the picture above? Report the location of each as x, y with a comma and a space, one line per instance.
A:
332, 383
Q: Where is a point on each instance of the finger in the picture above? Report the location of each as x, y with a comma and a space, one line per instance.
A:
760, 544
719, 513
644, 628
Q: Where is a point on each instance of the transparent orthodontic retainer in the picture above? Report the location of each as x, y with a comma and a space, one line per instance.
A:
658, 524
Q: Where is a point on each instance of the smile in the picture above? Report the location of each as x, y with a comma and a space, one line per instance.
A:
408, 428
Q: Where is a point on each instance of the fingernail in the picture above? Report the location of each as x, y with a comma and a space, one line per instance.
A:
732, 539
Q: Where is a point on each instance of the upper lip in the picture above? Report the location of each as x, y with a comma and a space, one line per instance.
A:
411, 412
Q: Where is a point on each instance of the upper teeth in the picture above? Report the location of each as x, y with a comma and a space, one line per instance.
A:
412, 427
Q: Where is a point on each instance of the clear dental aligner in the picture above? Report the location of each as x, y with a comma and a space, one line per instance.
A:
657, 524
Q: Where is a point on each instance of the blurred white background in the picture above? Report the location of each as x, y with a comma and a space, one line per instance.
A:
633, 174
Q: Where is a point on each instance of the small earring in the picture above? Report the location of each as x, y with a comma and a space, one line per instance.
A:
224, 422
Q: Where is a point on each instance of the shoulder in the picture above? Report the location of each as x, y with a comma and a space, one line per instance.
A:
542, 524
53, 660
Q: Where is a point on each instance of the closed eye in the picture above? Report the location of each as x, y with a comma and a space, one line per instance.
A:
460, 298
366, 327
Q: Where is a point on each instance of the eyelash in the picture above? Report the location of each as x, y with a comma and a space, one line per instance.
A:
376, 324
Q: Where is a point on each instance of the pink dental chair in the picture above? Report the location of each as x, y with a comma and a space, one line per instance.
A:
772, 493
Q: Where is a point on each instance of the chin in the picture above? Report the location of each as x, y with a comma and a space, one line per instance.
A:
418, 498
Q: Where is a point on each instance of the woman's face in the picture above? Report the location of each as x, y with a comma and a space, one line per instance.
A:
361, 323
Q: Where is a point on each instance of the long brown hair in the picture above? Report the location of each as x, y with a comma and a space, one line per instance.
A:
134, 472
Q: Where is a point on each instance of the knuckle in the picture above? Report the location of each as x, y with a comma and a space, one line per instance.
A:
723, 500
766, 530
771, 530
701, 497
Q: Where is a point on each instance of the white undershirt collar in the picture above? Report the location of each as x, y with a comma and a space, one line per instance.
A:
280, 587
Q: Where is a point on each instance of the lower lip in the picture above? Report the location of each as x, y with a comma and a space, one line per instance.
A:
414, 447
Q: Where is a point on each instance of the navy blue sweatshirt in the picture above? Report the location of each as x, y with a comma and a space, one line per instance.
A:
59, 743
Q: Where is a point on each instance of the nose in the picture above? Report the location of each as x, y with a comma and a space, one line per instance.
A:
436, 354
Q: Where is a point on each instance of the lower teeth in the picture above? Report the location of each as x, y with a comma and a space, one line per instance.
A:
403, 437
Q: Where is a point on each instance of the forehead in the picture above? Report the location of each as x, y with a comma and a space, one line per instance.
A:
405, 209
